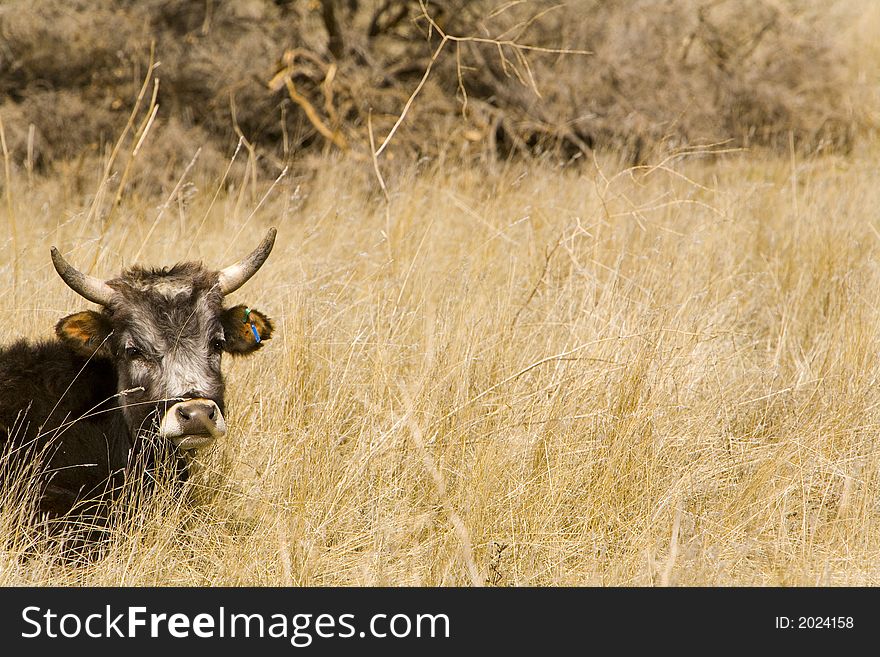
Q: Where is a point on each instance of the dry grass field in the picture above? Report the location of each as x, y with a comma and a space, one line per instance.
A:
504, 374
519, 376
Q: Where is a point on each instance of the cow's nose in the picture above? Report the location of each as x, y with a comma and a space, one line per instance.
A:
193, 423
197, 412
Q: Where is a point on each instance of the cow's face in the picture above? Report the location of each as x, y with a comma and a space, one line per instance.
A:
166, 331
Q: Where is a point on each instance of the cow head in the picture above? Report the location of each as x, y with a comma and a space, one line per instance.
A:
165, 331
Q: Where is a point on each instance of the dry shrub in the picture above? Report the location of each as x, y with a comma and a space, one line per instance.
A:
660, 74
72, 70
666, 74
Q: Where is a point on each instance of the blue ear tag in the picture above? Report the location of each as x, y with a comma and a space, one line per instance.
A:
247, 314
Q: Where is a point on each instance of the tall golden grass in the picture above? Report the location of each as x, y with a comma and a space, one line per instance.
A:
512, 376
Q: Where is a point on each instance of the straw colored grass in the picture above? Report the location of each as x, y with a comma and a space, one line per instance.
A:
525, 376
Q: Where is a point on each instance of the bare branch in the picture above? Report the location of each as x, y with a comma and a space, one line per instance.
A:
335, 42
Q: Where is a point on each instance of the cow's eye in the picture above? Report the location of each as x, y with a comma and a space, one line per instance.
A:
133, 353
217, 345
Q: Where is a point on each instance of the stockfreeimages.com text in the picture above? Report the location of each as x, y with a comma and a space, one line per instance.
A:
300, 629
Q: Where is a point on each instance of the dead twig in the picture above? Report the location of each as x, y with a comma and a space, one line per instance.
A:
285, 78
548, 255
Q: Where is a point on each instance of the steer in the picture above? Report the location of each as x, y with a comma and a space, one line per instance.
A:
122, 390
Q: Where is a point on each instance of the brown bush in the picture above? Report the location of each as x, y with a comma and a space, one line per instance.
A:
660, 75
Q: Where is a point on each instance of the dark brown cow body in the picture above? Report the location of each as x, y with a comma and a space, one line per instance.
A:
128, 387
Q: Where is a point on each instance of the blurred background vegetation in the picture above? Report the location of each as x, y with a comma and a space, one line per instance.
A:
293, 78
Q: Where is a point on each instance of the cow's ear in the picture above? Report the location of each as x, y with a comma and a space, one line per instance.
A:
245, 329
86, 333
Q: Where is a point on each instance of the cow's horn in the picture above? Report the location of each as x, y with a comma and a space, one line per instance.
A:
93, 289
234, 276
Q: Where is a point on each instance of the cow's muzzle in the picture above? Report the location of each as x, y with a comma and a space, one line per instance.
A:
192, 424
